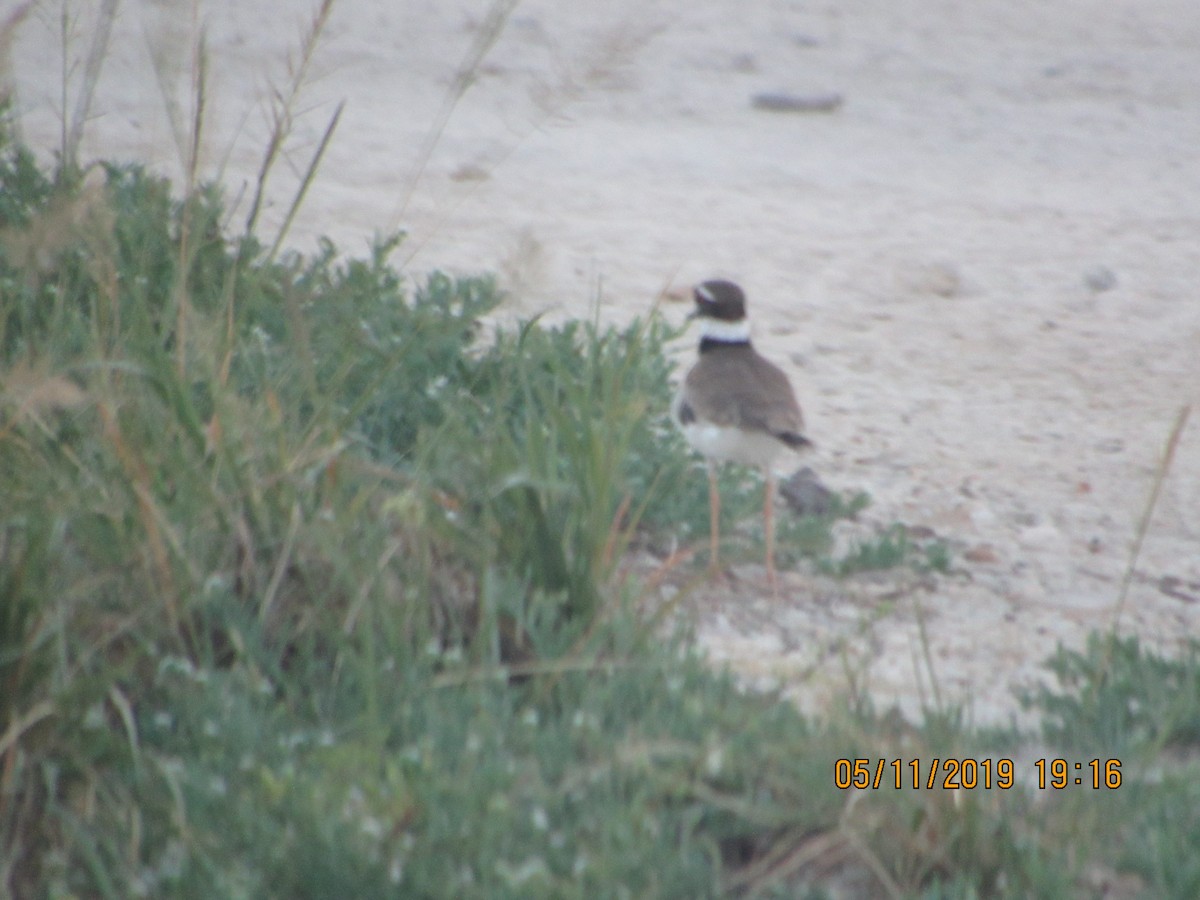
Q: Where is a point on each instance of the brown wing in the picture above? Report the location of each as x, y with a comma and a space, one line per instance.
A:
741, 389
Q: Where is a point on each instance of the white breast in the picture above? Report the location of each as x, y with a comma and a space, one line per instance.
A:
723, 444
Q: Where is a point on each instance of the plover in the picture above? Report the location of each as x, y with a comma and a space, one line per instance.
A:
735, 405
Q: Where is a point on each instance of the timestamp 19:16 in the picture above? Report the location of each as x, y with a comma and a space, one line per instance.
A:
1095, 773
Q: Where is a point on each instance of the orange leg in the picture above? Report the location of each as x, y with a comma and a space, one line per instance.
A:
714, 518
769, 528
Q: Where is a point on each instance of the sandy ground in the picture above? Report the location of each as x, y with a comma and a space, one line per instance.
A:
979, 269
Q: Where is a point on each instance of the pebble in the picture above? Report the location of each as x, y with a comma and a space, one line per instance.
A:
1041, 537
1099, 279
745, 63
981, 553
805, 495
982, 516
469, 172
939, 278
797, 103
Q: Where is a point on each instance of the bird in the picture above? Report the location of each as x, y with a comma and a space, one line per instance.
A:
735, 405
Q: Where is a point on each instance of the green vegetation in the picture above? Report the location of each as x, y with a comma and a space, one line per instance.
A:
309, 588
893, 547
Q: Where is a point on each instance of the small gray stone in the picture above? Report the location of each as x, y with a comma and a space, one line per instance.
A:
745, 63
941, 278
1099, 279
805, 495
797, 103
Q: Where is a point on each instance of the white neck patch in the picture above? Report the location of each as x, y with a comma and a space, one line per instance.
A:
725, 332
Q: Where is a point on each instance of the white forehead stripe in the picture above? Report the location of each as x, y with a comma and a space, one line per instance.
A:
705, 293
726, 332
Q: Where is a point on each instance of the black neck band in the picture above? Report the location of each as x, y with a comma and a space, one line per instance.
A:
707, 344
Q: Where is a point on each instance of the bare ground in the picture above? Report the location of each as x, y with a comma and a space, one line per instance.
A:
978, 267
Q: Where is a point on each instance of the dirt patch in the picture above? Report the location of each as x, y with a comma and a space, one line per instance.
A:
979, 265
